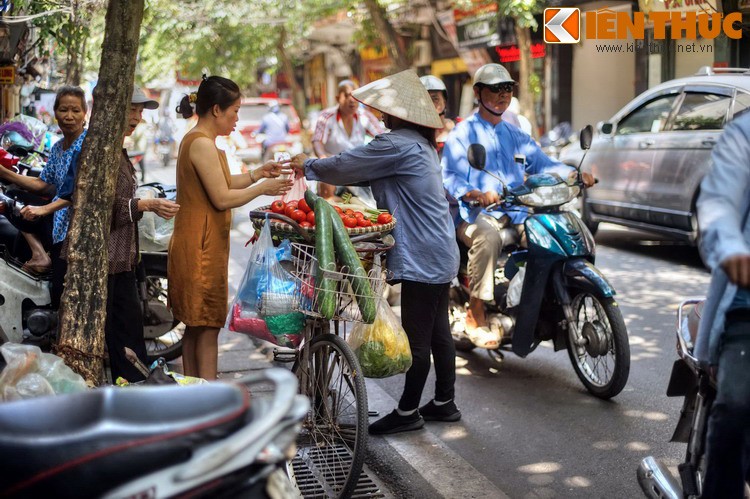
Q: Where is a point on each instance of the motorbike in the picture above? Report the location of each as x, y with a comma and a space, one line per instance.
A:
563, 296
26, 314
691, 381
555, 139
155, 441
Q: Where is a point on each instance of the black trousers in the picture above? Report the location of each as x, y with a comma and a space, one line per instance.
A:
124, 325
59, 269
424, 315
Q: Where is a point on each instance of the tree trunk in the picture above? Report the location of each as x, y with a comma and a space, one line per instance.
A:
73, 70
387, 34
298, 93
82, 310
525, 96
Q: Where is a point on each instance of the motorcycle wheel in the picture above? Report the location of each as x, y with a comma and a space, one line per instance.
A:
457, 319
163, 334
598, 345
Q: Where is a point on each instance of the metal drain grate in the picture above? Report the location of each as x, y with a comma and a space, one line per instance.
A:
316, 480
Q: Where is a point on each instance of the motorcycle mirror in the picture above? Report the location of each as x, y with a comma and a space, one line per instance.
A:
477, 156
587, 134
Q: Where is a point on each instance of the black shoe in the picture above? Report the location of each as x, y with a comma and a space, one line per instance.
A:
395, 423
445, 412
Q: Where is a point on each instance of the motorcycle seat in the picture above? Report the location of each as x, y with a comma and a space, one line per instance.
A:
82, 445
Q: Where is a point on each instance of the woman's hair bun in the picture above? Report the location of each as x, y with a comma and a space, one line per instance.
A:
185, 108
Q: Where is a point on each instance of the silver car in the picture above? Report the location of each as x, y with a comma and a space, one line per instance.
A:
651, 156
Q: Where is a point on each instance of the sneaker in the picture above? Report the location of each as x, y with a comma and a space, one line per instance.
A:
395, 423
446, 412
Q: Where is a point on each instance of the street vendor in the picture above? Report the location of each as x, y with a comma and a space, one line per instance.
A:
403, 170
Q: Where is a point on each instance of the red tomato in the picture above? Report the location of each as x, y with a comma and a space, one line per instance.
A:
349, 211
278, 206
299, 216
302, 205
385, 218
363, 222
311, 217
306, 224
292, 203
350, 222
289, 210
358, 215
338, 210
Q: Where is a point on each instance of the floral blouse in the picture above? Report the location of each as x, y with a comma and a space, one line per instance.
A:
54, 173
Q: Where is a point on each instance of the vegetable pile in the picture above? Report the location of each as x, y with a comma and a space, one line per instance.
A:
353, 213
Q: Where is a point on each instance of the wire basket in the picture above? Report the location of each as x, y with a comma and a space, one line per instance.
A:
306, 271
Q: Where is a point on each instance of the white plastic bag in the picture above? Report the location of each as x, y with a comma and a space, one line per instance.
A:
382, 347
154, 232
515, 288
31, 373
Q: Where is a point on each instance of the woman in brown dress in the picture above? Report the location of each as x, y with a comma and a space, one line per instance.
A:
206, 193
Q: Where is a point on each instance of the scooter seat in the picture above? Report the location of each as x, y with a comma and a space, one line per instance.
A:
85, 444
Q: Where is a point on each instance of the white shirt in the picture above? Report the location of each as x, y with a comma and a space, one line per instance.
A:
330, 130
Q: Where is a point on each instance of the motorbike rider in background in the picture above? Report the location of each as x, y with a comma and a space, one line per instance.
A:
511, 154
439, 95
275, 127
723, 342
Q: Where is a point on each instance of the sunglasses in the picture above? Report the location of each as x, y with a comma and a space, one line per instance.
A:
501, 88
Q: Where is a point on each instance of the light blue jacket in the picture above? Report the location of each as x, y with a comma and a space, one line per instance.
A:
502, 142
404, 173
722, 205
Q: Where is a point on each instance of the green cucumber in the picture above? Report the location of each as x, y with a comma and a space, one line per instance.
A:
310, 198
326, 294
348, 256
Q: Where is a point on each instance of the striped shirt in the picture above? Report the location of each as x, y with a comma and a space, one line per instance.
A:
330, 130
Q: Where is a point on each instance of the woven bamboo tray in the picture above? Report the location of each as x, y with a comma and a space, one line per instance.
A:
283, 229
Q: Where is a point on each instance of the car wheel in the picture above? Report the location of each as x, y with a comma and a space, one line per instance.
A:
590, 224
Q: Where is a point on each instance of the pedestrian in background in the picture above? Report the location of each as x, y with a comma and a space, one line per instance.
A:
207, 192
723, 343
274, 126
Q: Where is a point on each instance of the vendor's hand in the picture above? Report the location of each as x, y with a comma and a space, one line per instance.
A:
32, 213
164, 208
737, 268
272, 169
587, 178
276, 186
298, 163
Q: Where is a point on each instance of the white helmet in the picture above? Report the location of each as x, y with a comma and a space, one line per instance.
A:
492, 74
434, 84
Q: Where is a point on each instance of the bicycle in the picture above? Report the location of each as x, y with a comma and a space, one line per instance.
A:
334, 433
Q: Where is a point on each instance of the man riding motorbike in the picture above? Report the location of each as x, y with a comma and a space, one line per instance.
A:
511, 154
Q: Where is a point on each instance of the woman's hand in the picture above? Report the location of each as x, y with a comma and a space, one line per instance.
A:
272, 169
32, 213
298, 163
276, 186
164, 208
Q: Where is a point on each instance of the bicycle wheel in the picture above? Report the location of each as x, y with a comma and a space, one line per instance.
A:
333, 437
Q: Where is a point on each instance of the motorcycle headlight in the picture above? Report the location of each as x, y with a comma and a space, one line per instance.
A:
549, 195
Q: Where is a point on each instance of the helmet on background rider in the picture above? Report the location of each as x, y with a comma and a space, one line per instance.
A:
434, 84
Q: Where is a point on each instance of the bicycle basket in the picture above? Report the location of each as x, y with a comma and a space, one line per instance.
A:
305, 273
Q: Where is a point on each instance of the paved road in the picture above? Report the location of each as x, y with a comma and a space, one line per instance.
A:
530, 430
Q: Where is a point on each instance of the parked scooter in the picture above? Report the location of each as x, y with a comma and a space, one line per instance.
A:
564, 297
154, 441
26, 314
691, 381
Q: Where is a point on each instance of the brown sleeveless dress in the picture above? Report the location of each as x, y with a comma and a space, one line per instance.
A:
199, 249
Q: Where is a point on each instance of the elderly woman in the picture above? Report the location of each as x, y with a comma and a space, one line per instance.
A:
70, 113
403, 170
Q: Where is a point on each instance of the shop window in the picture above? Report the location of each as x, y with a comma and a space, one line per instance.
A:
650, 117
702, 111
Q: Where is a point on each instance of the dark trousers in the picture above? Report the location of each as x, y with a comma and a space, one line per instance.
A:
424, 315
728, 439
124, 325
59, 269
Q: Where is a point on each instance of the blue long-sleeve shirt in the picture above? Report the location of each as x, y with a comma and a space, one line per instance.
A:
404, 173
723, 203
502, 142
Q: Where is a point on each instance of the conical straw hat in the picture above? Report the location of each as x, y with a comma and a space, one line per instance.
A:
401, 95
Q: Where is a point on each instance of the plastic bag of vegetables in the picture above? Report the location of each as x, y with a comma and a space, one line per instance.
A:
382, 347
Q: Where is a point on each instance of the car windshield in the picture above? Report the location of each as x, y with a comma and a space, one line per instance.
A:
255, 112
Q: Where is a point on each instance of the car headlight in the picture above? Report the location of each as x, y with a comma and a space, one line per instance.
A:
549, 195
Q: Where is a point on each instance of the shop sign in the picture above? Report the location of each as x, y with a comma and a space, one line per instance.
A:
512, 53
477, 27
7, 75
